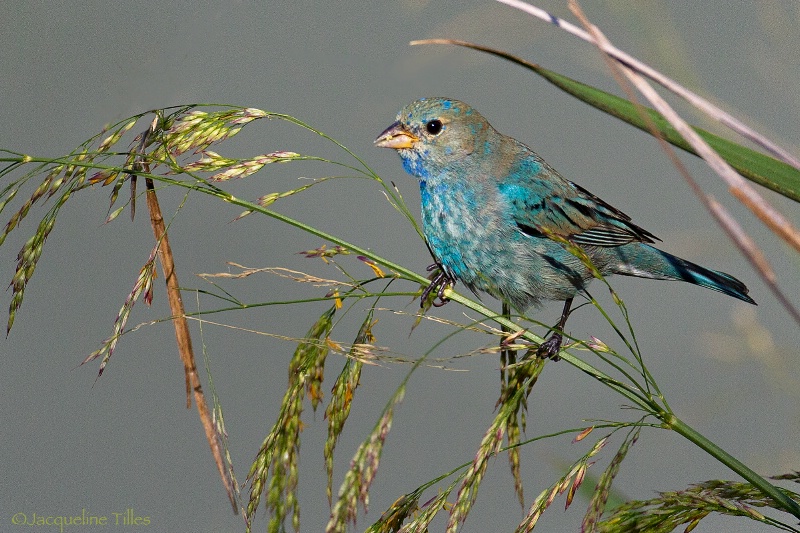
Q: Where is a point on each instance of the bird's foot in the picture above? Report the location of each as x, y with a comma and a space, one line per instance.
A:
439, 283
550, 348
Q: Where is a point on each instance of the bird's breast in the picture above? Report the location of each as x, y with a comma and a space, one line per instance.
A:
462, 226
472, 232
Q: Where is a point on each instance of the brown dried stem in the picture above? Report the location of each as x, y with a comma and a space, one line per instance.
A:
183, 338
738, 187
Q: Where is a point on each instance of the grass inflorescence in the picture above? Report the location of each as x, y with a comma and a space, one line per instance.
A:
174, 149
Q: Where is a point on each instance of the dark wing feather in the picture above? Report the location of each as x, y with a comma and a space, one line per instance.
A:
541, 199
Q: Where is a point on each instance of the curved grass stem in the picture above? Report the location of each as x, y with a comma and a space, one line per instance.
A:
679, 426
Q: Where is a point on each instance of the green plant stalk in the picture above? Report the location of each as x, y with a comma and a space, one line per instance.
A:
636, 396
222, 195
679, 426
669, 420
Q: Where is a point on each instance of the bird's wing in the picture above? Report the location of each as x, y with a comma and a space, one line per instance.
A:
543, 202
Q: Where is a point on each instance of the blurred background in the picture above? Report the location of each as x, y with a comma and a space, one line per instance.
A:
126, 441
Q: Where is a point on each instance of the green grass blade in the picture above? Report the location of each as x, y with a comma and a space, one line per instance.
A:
755, 166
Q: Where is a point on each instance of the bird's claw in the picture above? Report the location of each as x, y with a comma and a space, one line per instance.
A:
552, 346
549, 349
439, 283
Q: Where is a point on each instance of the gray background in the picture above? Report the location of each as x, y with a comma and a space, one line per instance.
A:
127, 441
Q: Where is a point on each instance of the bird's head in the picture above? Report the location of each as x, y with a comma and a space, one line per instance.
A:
431, 133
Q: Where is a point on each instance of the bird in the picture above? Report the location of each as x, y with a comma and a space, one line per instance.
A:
500, 220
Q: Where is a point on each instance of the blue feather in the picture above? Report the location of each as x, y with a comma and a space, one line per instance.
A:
490, 206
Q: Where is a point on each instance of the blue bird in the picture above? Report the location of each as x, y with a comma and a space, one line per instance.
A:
493, 211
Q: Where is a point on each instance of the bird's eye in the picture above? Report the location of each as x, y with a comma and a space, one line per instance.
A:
434, 127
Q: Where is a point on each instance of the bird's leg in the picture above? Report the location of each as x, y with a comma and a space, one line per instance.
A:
439, 283
551, 346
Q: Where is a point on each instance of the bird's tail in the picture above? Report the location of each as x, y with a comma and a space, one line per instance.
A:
645, 261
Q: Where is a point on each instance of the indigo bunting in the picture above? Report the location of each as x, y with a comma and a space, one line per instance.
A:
493, 213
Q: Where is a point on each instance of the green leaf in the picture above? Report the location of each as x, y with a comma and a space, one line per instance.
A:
755, 166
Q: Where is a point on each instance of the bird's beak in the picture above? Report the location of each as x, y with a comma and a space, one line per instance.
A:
396, 136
